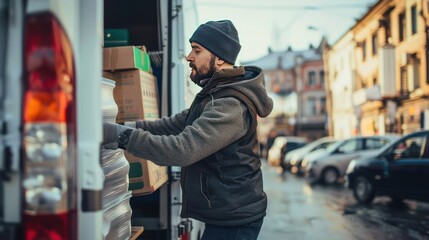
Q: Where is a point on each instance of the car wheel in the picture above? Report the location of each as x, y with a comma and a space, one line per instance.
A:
363, 190
329, 175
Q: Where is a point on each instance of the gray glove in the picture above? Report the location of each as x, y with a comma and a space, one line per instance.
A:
111, 132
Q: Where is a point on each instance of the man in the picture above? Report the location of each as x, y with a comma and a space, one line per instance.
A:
214, 141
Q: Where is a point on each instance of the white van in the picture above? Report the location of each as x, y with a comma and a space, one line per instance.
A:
51, 114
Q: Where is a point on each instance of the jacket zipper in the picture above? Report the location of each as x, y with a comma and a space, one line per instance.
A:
202, 192
183, 185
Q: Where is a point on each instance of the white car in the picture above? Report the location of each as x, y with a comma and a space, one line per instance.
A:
329, 165
283, 145
293, 159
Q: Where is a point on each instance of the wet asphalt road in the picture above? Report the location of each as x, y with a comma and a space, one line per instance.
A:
297, 210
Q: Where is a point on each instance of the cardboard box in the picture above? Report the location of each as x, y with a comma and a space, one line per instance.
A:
145, 177
136, 94
125, 58
108, 75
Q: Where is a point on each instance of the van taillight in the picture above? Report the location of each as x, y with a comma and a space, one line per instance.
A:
49, 131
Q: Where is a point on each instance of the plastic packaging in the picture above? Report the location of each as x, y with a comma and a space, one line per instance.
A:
115, 167
117, 219
108, 104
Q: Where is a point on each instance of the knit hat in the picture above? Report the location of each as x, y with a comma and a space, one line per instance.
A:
220, 38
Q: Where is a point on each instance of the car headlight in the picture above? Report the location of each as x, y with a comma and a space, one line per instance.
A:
310, 164
351, 166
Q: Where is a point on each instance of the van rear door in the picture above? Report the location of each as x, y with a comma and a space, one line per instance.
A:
11, 28
50, 52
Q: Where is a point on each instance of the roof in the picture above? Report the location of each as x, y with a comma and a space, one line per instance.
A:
284, 59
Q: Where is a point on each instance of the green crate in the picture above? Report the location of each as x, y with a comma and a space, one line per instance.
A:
116, 37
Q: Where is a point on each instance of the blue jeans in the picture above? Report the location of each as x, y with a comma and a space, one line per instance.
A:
249, 231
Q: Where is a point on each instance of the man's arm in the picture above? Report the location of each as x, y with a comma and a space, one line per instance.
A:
219, 125
165, 126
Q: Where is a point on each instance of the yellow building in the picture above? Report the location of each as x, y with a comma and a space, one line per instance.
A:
390, 82
340, 71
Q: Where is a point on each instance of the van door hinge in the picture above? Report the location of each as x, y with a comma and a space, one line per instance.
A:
176, 11
7, 156
7, 164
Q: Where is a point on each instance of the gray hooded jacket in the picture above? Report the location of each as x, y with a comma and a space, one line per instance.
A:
216, 145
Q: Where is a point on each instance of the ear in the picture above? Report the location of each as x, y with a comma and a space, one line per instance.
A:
219, 62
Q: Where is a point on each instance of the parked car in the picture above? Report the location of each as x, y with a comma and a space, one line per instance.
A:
328, 166
400, 170
292, 160
272, 135
283, 145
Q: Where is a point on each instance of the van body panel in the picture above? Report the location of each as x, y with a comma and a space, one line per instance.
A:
10, 110
88, 51
83, 22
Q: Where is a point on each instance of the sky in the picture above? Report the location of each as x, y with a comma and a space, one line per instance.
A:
277, 24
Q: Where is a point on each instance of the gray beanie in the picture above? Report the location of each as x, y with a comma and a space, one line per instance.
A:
220, 38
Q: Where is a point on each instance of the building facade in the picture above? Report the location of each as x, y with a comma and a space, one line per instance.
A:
340, 71
295, 80
374, 90
389, 79
410, 38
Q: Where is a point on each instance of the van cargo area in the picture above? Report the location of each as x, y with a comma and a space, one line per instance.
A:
77, 64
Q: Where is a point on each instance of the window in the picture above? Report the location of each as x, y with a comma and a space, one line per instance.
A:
414, 19
311, 78
351, 146
404, 81
311, 106
323, 105
375, 143
386, 23
402, 26
416, 71
374, 44
323, 145
322, 78
363, 50
410, 148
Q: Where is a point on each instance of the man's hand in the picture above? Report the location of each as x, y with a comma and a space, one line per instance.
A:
111, 132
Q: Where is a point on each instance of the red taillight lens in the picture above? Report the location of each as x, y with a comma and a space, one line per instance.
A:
49, 124
47, 226
49, 70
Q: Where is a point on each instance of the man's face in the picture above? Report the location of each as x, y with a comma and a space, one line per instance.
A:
202, 63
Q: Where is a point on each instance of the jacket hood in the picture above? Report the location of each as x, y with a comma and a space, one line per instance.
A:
248, 80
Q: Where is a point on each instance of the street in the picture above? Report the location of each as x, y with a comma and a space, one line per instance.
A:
297, 210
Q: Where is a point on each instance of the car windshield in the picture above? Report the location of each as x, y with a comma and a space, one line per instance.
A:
390, 143
313, 144
334, 146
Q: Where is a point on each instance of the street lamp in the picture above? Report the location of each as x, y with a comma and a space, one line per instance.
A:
313, 28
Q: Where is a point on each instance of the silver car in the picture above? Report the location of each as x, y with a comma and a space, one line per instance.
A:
293, 160
329, 165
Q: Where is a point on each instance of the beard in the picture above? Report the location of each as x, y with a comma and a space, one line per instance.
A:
203, 72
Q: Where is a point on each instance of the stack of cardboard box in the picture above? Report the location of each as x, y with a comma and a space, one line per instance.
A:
136, 95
